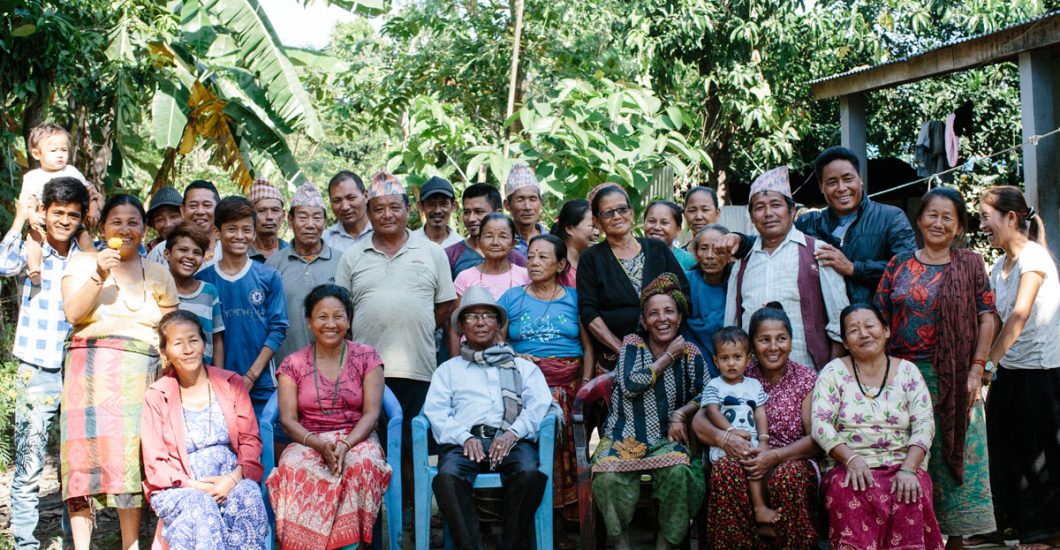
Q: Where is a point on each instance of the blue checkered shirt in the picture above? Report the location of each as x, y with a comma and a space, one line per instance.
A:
42, 327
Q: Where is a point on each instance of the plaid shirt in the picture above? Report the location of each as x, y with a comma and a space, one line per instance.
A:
42, 327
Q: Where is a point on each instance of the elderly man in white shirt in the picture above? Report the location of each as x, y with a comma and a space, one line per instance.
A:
781, 267
485, 407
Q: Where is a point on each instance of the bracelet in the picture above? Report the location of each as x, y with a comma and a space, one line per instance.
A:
671, 356
763, 436
346, 443
725, 439
306, 436
907, 470
233, 478
95, 279
849, 460
980, 362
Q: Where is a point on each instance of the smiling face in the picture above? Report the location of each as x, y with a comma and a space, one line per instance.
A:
496, 240
307, 224
998, 227
771, 215
270, 216
388, 215
328, 322
184, 348
939, 223
125, 222
525, 206
184, 257
198, 208
52, 152
865, 335
62, 220
659, 223
615, 216
479, 325
237, 236
661, 318
700, 211
164, 219
583, 235
841, 186
347, 202
732, 359
474, 210
541, 262
711, 255
772, 344
437, 209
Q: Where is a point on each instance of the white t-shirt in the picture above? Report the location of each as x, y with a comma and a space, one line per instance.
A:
34, 180
1038, 346
452, 239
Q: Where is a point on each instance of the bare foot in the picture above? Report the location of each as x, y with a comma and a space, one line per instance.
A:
766, 515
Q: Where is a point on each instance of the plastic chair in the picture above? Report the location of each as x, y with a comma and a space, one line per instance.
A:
392, 497
546, 442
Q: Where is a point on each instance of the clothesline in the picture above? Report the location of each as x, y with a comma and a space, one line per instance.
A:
1032, 140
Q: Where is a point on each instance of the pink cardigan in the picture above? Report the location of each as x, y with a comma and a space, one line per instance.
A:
166, 462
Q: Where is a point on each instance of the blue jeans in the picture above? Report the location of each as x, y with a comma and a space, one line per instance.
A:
37, 405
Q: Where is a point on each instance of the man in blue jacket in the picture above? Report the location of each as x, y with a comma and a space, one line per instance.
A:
860, 236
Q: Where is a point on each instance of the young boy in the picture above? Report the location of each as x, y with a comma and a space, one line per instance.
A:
39, 338
185, 249
49, 144
253, 304
737, 405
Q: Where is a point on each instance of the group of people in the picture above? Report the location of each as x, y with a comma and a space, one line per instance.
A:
823, 378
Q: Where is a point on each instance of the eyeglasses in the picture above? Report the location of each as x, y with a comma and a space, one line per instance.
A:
620, 211
476, 317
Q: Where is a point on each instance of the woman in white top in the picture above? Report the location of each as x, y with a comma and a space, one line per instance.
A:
1023, 410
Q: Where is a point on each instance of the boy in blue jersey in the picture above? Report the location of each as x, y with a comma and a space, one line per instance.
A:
252, 301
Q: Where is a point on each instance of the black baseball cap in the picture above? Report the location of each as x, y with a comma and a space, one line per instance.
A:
436, 185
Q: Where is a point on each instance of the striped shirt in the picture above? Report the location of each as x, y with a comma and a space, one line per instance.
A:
42, 330
205, 304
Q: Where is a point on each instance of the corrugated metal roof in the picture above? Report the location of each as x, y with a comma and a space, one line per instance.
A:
946, 45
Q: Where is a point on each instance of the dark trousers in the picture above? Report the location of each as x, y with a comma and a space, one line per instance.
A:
523, 482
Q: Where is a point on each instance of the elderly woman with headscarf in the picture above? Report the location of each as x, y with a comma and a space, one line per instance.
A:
658, 380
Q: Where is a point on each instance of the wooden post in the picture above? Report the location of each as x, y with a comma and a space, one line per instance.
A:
1040, 108
852, 130
513, 81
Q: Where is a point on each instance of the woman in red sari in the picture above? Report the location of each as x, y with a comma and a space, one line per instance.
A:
329, 484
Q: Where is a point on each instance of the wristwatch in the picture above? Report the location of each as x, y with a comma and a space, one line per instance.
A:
989, 366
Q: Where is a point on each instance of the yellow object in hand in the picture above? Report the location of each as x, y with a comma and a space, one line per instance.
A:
115, 243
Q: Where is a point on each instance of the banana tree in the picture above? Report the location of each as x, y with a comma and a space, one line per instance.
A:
224, 80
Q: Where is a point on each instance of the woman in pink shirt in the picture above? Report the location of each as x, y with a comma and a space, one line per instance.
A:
329, 484
201, 447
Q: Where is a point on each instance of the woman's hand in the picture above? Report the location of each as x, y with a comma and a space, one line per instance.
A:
106, 260
326, 450
758, 461
676, 347
678, 430
339, 448
859, 475
906, 487
218, 487
738, 443
975, 385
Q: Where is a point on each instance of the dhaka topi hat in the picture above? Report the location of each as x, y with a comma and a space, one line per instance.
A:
773, 180
521, 177
262, 190
385, 184
307, 194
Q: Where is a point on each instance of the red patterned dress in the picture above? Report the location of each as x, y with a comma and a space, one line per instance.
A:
791, 487
316, 509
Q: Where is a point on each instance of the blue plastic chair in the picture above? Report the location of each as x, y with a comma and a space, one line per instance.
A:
424, 477
392, 497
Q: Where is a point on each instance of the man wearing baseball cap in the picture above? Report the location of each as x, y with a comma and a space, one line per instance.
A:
163, 213
437, 203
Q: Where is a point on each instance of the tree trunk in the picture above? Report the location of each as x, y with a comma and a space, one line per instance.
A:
513, 81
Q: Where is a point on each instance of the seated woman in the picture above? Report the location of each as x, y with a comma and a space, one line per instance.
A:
658, 380
200, 446
544, 329
872, 415
327, 489
790, 478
